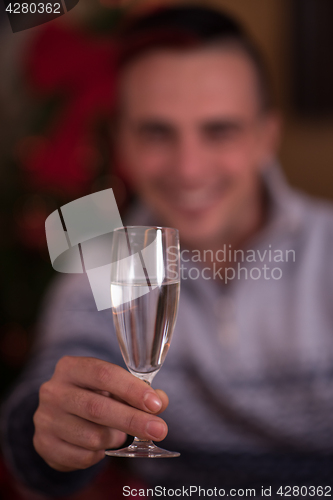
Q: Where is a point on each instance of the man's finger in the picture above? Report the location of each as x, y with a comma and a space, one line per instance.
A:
80, 432
164, 398
111, 413
64, 456
99, 375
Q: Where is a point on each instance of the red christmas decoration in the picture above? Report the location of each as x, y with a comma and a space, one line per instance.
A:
79, 68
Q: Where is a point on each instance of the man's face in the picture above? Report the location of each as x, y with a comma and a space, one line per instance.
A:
193, 141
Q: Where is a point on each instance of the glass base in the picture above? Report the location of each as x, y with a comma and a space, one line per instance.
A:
141, 448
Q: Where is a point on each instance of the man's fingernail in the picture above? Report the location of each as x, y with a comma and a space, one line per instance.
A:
152, 402
155, 429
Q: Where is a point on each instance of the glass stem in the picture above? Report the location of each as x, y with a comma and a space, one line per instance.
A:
138, 440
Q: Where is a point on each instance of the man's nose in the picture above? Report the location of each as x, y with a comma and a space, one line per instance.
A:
190, 162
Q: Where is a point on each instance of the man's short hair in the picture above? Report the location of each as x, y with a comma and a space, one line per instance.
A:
189, 27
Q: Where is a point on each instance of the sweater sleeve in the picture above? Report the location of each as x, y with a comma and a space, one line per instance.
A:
69, 325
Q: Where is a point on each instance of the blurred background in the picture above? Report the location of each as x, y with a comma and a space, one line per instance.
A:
56, 100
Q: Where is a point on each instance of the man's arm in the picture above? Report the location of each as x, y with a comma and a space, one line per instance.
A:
74, 417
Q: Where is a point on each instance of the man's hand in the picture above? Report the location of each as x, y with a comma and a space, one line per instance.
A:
89, 406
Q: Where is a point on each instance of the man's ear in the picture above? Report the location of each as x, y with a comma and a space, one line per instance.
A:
271, 136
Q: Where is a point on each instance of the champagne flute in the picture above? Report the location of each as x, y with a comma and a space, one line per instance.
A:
145, 285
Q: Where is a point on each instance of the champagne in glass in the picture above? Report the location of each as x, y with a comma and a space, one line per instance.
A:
145, 285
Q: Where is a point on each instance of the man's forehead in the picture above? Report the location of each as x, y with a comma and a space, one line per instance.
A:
168, 81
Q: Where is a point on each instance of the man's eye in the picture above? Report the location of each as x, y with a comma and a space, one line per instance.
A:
221, 133
158, 136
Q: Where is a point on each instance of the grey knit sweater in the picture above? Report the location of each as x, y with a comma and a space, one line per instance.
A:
250, 367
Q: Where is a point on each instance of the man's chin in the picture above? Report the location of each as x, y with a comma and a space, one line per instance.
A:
196, 226
198, 235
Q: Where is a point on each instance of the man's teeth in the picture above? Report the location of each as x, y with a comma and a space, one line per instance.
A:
195, 199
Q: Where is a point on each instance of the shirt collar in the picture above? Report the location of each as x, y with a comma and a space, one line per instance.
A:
285, 208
